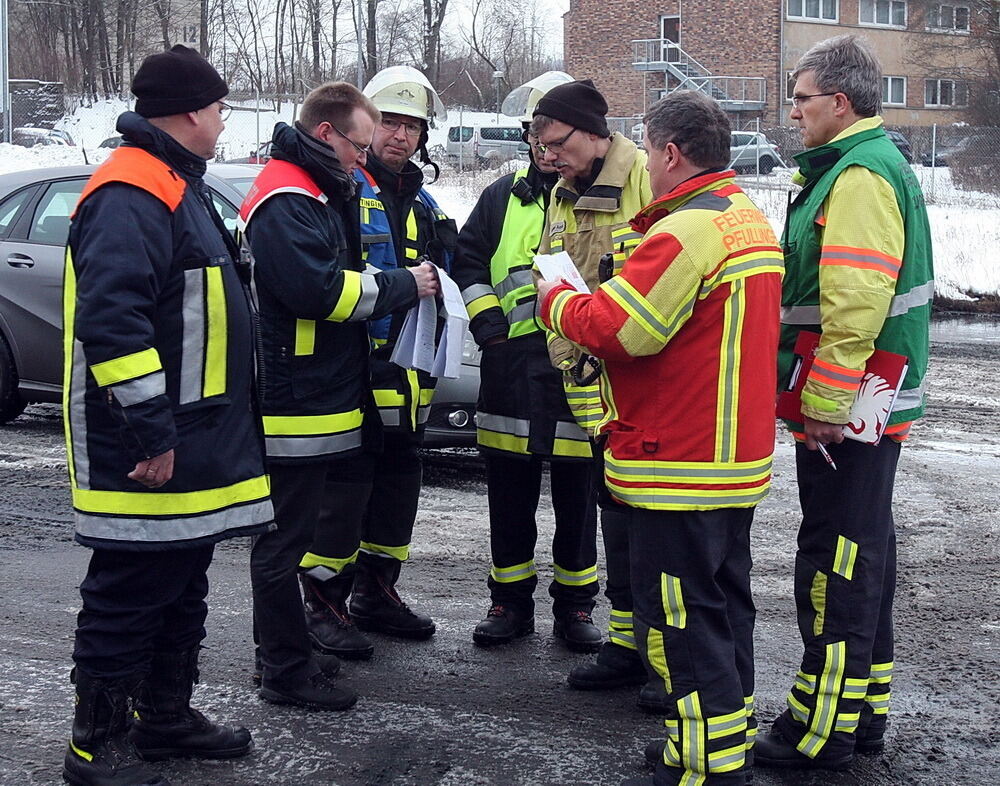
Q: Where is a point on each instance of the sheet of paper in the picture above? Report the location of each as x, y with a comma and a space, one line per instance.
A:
415, 345
554, 267
454, 306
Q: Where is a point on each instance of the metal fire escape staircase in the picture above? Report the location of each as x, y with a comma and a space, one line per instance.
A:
682, 72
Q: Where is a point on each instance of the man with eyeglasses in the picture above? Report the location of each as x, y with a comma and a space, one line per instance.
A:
603, 184
400, 223
315, 298
859, 272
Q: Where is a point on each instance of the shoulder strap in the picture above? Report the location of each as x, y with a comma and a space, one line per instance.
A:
277, 177
139, 168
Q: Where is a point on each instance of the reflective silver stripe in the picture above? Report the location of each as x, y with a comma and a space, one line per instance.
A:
476, 291
649, 500
565, 577
151, 530
908, 399
193, 339
571, 431
620, 618
729, 369
589, 392
513, 574
389, 415
139, 390
693, 732
652, 320
720, 759
750, 264
321, 573
619, 237
423, 412
516, 280
622, 638
868, 259
727, 727
78, 416
503, 424
522, 312
296, 447
852, 378
692, 472
366, 302
800, 315
367, 240
916, 297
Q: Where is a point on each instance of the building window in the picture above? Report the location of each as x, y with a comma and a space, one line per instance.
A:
890, 13
789, 86
821, 10
894, 90
945, 93
954, 18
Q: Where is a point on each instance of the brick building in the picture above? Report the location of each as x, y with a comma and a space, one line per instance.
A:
742, 51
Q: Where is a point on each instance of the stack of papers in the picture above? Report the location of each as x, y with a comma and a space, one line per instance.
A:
415, 347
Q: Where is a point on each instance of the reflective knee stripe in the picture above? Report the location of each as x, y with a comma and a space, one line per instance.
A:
656, 654
843, 560
817, 596
692, 725
324, 568
401, 553
827, 692
854, 688
574, 578
620, 630
138, 390
513, 573
673, 601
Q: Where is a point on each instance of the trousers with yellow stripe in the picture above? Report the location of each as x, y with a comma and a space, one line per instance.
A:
845, 580
694, 618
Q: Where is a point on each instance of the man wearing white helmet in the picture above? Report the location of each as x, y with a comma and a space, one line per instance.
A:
400, 223
523, 418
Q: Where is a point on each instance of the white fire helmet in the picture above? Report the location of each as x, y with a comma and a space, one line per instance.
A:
520, 102
403, 90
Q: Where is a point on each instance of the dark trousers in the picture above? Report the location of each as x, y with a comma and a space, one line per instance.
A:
347, 494
136, 603
615, 519
514, 486
392, 509
845, 579
694, 618
297, 493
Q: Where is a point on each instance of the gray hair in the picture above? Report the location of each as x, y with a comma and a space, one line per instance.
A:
695, 123
846, 64
539, 123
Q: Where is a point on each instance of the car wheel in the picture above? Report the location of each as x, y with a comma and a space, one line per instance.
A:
766, 165
11, 403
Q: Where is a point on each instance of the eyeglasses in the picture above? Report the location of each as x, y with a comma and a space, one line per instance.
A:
554, 147
392, 124
225, 110
798, 101
364, 151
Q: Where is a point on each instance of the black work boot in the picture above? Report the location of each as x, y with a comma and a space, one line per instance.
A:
331, 628
99, 752
869, 739
502, 625
653, 698
317, 692
578, 630
165, 724
375, 606
615, 667
773, 750
328, 664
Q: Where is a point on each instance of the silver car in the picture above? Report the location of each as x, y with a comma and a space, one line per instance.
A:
35, 208
753, 152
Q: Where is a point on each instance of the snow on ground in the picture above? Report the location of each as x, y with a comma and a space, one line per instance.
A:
965, 225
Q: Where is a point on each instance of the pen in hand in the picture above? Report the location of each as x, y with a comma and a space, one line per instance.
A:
826, 455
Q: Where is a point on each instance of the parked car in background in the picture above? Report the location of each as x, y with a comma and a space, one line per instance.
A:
35, 209
483, 146
902, 143
753, 152
260, 155
111, 142
27, 136
945, 151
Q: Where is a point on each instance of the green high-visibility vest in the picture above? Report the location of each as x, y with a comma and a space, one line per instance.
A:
907, 325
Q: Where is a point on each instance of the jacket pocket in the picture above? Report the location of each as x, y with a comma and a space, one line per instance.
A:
633, 444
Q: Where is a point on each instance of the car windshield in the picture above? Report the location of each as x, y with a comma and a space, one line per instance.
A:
241, 184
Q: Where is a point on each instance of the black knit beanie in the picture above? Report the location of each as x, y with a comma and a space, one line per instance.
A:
174, 82
578, 104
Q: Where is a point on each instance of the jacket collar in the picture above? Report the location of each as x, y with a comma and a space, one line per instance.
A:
137, 131
681, 195
605, 194
317, 159
817, 160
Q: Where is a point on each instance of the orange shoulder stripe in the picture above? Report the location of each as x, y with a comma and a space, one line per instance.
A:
136, 167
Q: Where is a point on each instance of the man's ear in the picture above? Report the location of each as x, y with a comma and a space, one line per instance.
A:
323, 132
841, 105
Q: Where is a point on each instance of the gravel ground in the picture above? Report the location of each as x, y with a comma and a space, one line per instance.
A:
447, 713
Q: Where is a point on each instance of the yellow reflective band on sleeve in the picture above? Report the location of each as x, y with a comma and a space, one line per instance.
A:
480, 304
843, 560
656, 654
137, 364
673, 601
350, 294
727, 403
81, 752
217, 334
637, 307
827, 693
574, 578
818, 402
305, 336
180, 503
513, 573
335, 564
401, 553
385, 397
309, 425
881, 673
571, 448
817, 596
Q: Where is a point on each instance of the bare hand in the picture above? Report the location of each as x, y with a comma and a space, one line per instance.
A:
818, 431
153, 473
425, 274
544, 287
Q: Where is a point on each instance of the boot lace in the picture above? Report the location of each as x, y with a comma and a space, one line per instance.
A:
497, 610
581, 616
